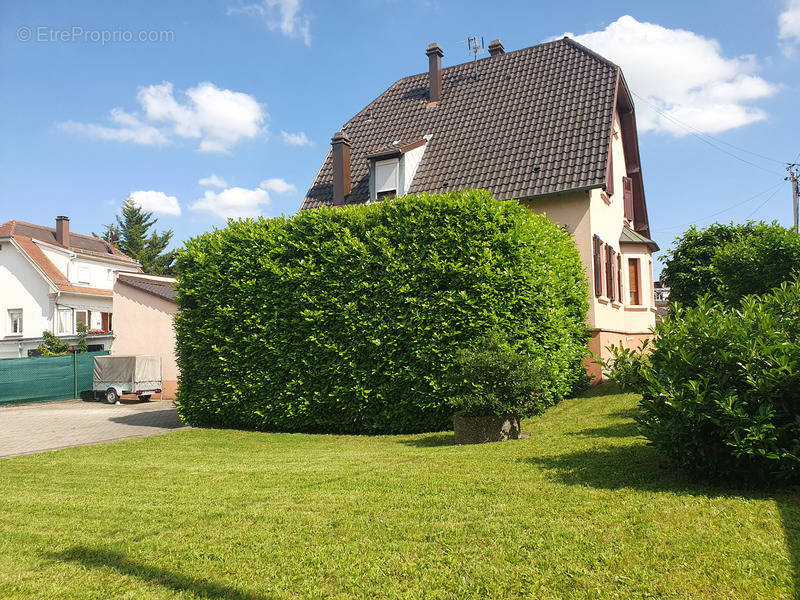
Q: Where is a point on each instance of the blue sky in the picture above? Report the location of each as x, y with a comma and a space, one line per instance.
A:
251, 93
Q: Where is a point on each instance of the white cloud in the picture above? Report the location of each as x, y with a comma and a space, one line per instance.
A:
277, 185
213, 181
296, 139
285, 16
218, 118
130, 129
682, 73
233, 202
789, 26
157, 202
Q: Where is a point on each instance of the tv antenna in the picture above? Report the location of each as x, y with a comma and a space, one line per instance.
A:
476, 49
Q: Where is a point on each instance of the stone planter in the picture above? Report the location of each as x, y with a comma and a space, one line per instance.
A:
478, 430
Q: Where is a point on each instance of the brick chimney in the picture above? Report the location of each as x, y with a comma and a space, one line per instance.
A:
496, 48
62, 230
435, 55
340, 148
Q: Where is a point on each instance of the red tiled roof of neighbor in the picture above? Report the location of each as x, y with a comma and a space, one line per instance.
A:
50, 270
536, 121
82, 244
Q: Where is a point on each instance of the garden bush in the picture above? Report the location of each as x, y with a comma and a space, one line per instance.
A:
493, 379
730, 261
720, 387
350, 319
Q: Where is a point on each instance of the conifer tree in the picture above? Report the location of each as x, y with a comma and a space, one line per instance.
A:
131, 234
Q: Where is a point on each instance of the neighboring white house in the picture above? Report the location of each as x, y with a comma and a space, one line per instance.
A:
53, 280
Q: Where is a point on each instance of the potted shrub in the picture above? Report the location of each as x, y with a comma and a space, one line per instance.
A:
497, 386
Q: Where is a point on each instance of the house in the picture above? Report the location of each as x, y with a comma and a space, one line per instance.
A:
144, 308
552, 126
53, 280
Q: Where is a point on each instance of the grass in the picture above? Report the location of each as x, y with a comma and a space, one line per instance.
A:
581, 509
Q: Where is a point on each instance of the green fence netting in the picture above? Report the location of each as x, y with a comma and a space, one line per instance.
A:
40, 378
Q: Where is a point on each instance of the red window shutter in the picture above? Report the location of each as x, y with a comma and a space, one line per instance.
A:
609, 272
598, 270
627, 196
104, 319
619, 277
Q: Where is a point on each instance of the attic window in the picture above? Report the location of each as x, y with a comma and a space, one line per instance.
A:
386, 174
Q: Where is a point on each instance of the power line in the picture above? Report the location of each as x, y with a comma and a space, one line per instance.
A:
703, 138
719, 212
760, 206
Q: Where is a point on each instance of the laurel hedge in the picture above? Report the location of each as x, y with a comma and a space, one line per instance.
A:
349, 320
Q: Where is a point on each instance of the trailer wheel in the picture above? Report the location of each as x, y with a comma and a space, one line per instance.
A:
111, 396
145, 397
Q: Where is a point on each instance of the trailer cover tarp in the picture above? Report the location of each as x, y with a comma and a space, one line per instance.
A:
127, 368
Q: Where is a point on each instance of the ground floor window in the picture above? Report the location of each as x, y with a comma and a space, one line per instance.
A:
634, 281
15, 321
64, 321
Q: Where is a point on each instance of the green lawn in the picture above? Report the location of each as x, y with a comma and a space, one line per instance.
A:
581, 509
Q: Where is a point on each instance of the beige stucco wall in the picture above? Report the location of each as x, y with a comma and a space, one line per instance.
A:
143, 325
594, 212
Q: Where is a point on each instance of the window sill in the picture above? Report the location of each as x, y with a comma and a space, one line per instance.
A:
606, 198
616, 304
14, 335
637, 308
601, 299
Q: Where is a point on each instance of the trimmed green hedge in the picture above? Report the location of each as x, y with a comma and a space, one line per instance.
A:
348, 320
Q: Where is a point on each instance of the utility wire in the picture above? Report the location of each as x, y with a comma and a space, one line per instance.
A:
760, 206
703, 138
773, 189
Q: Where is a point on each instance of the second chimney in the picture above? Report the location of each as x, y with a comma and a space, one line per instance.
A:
435, 55
496, 48
62, 230
340, 148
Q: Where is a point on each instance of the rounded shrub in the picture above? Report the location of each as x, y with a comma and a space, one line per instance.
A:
350, 319
721, 387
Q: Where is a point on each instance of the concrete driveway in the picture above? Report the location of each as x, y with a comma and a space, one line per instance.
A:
31, 428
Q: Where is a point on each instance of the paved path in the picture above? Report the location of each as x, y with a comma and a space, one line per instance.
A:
31, 428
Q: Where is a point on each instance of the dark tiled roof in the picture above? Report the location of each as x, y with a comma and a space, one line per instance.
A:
83, 244
162, 289
536, 121
629, 236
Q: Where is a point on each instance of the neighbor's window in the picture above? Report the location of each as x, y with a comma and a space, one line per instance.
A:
15, 321
96, 320
634, 281
64, 318
386, 173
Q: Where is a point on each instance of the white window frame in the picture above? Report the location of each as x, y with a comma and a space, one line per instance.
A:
392, 162
71, 313
86, 320
14, 322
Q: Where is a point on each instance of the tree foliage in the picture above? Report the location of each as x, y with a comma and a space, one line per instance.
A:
132, 234
350, 319
721, 386
730, 261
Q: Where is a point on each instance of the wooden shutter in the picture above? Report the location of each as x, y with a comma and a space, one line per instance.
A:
627, 197
610, 174
609, 272
620, 295
598, 270
106, 325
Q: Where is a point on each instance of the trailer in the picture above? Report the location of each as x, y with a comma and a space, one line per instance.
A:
117, 375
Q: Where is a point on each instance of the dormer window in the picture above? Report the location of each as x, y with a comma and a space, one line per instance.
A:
386, 178
391, 171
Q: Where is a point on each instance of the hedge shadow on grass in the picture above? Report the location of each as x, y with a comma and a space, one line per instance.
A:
617, 430
99, 558
430, 440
